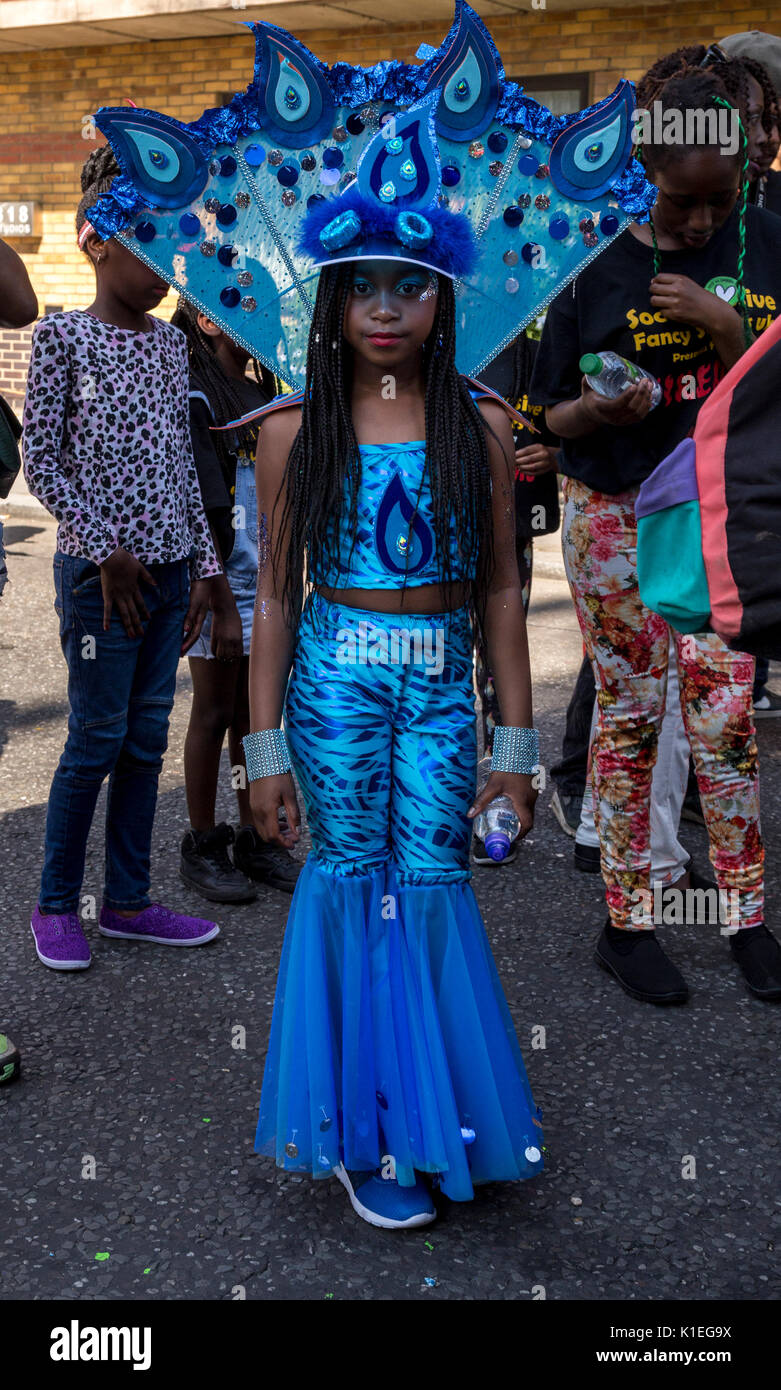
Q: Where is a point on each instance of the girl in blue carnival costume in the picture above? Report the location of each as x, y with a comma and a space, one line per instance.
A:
391, 1043
387, 553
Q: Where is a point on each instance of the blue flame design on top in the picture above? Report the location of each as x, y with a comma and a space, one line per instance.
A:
294, 100
586, 157
403, 157
468, 75
405, 542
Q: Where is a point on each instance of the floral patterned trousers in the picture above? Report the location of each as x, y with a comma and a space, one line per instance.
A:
628, 647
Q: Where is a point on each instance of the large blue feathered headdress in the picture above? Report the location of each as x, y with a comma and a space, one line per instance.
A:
443, 162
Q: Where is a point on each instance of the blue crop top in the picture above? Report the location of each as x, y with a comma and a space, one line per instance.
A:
394, 537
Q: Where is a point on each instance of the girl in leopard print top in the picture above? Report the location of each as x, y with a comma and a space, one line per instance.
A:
107, 450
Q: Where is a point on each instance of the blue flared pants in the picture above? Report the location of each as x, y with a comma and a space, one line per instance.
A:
391, 1033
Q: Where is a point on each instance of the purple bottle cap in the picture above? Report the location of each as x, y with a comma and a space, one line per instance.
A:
497, 845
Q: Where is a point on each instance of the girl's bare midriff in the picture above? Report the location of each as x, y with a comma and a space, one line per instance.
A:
422, 598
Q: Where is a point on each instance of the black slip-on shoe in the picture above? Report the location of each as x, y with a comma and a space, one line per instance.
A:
587, 858
758, 954
206, 866
263, 862
640, 965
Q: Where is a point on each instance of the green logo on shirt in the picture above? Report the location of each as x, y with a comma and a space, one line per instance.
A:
725, 288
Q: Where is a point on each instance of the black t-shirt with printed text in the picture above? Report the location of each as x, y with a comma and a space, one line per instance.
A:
609, 307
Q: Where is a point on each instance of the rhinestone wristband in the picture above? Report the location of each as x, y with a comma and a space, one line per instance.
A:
515, 750
266, 754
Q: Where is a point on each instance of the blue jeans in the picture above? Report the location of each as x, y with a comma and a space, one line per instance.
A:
121, 692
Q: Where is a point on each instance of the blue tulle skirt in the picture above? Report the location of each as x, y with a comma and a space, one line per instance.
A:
391, 1035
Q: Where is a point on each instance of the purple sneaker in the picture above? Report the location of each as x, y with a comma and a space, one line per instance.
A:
159, 924
59, 940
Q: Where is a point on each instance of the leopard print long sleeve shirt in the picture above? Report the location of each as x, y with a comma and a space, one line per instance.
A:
106, 442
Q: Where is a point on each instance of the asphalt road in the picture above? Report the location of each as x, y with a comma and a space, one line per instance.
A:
129, 1071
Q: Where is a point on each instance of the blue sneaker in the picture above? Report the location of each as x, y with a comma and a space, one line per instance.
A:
383, 1202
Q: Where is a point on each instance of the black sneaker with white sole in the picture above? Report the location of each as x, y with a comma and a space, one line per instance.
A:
263, 862
637, 961
206, 866
567, 811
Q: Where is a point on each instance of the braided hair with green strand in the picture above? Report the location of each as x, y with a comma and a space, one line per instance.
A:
689, 82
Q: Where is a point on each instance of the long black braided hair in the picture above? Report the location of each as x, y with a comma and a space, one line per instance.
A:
694, 79
220, 390
522, 363
325, 458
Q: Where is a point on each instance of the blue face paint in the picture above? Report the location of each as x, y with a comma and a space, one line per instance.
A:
414, 284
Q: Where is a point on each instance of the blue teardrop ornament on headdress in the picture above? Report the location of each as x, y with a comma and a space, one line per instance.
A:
468, 74
586, 157
296, 106
160, 155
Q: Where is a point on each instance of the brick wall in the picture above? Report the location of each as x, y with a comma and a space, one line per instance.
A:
14, 356
46, 99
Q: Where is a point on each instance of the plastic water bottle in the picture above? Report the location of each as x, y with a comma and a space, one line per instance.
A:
497, 826
609, 375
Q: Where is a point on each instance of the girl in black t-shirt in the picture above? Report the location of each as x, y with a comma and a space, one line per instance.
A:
221, 391
681, 295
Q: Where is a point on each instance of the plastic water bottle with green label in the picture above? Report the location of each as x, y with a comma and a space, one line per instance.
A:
609, 375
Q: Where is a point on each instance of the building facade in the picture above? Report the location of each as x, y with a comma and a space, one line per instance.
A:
60, 60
